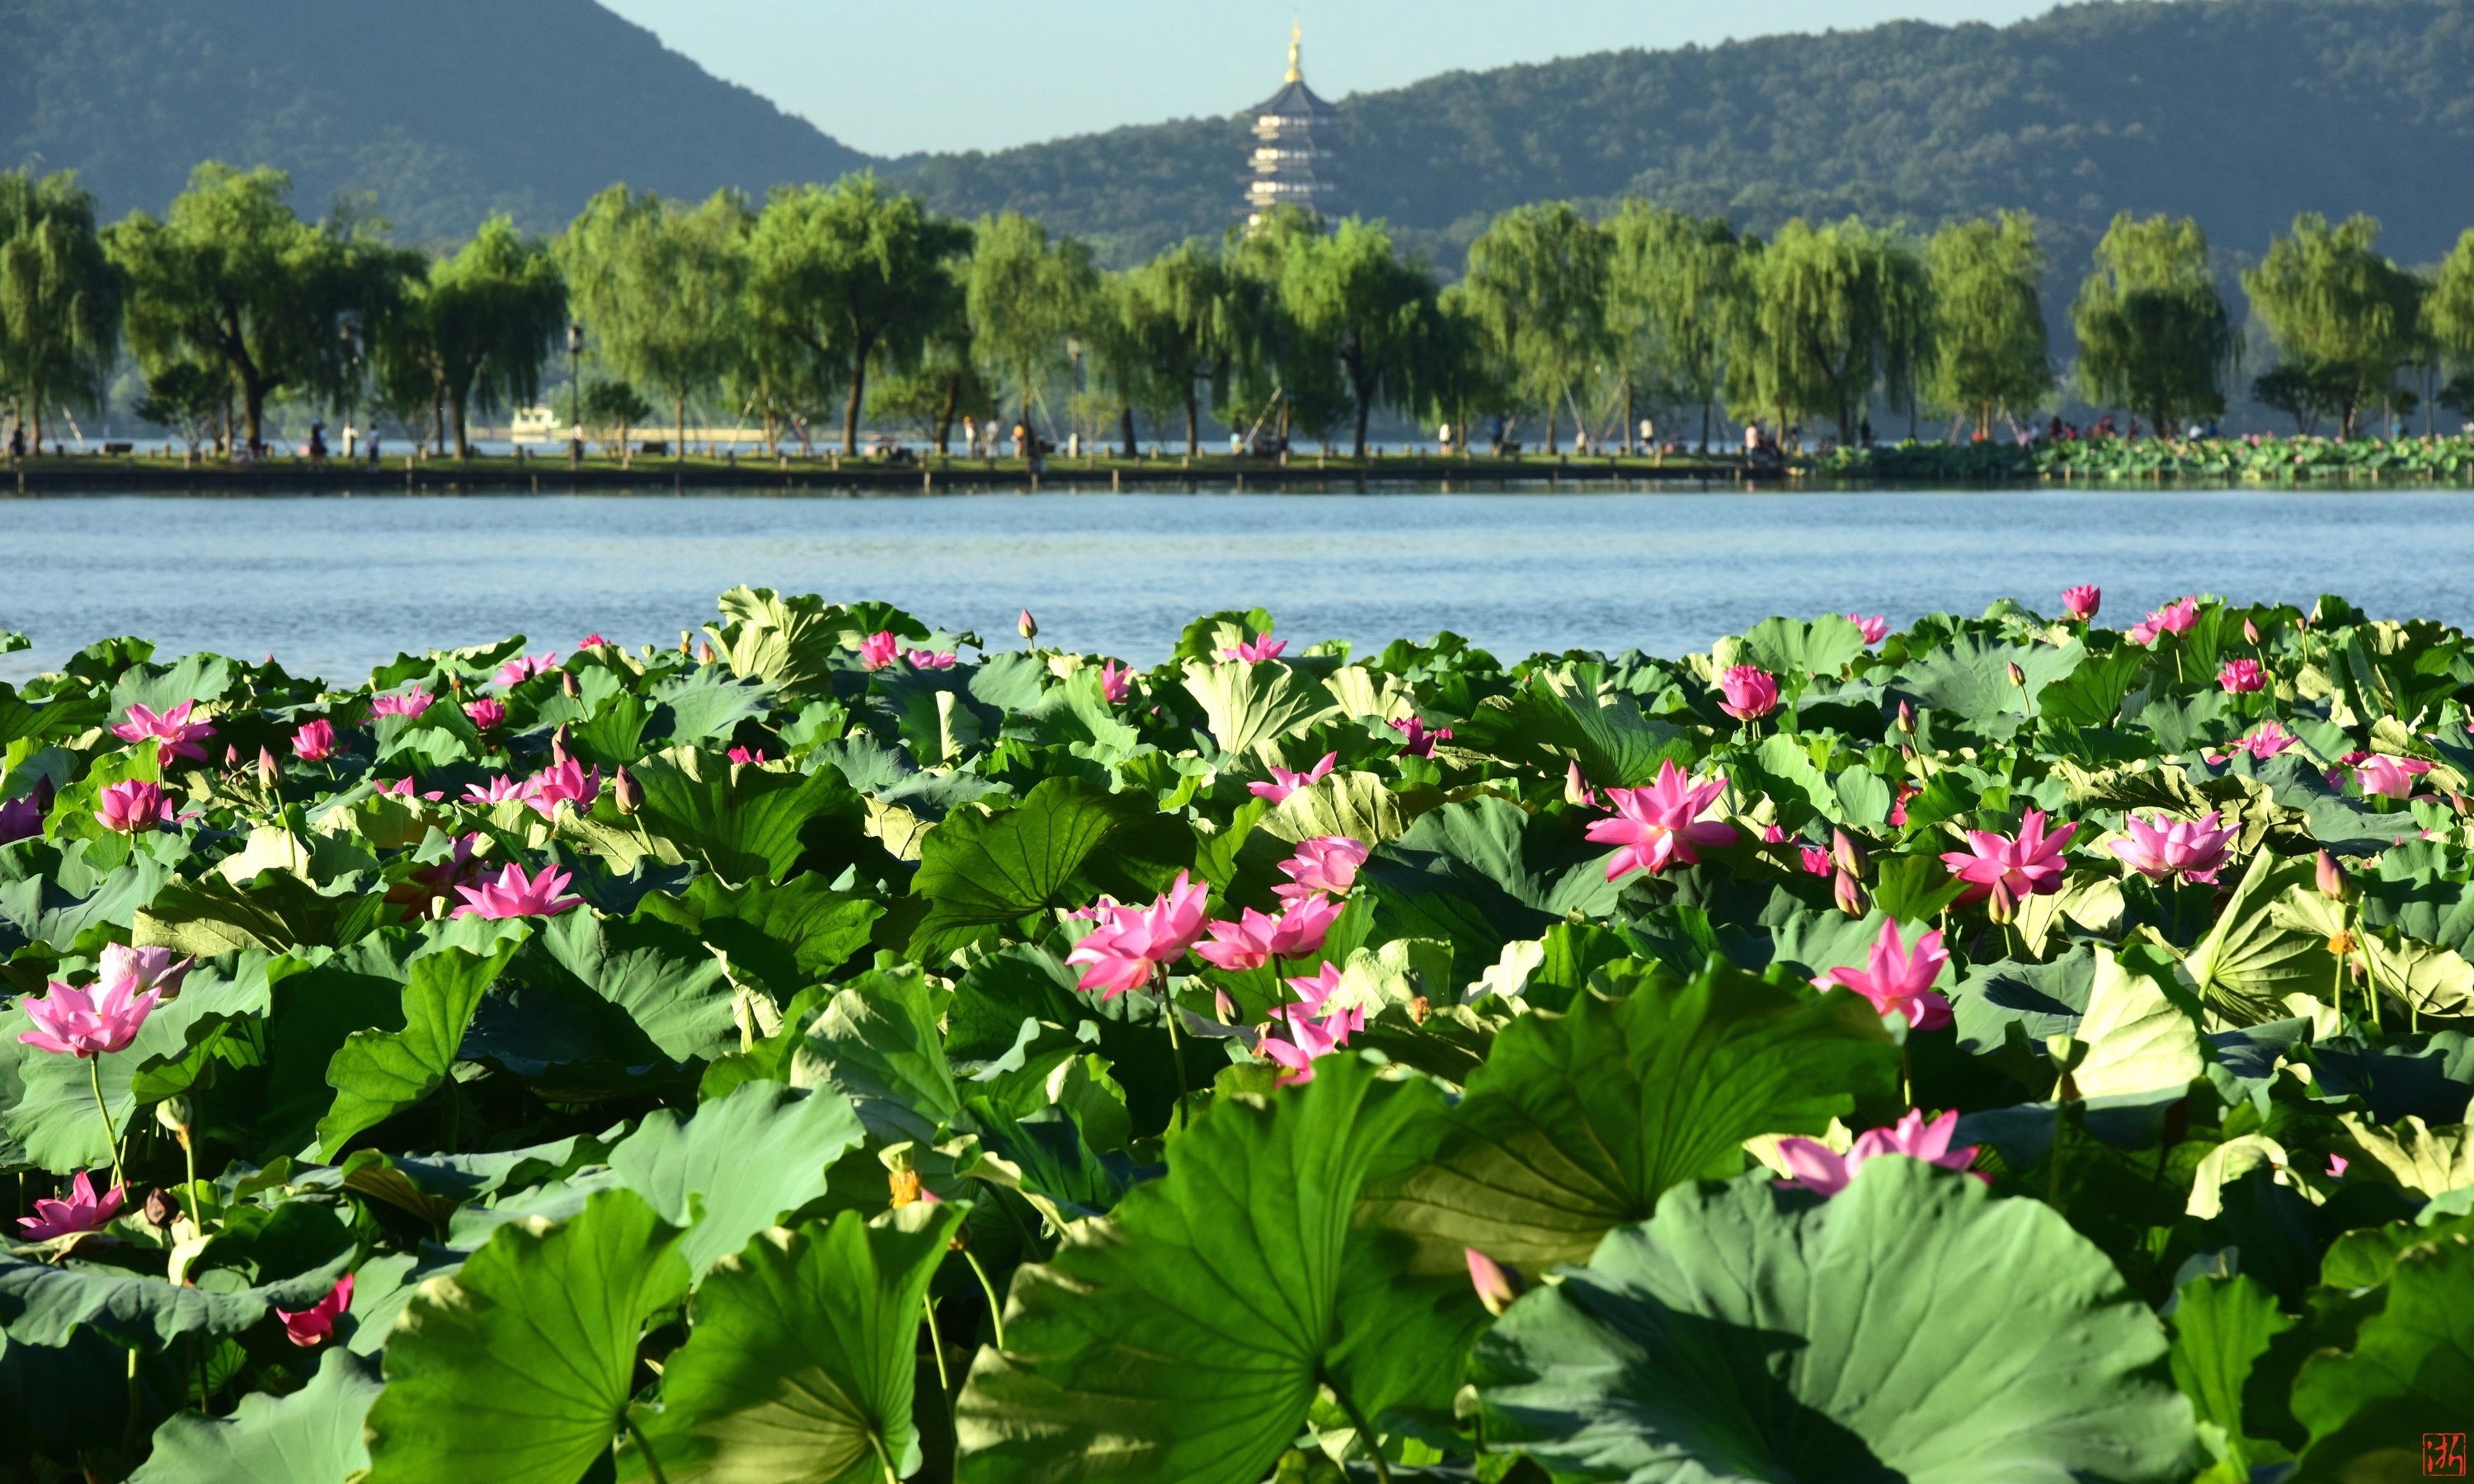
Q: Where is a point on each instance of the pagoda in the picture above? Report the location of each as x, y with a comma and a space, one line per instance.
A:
1284, 148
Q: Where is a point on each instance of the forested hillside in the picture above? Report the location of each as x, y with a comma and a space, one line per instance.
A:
447, 110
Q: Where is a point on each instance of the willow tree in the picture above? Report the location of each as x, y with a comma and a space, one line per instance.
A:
856, 276
1175, 310
1281, 370
1836, 310
2342, 313
1675, 295
2153, 335
1352, 292
658, 283
476, 334
1988, 352
1537, 281
59, 298
232, 278
1027, 297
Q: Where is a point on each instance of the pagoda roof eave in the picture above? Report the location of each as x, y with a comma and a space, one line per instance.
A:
1294, 101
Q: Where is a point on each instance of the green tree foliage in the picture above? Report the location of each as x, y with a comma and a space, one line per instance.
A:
1836, 309
474, 334
658, 284
1174, 308
1459, 375
234, 278
1025, 295
2337, 309
1353, 293
2153, 334
1988, 327
186, 397
1538, 282
59, 296
2448, 309
1675, 298
1282, 372
855, 276
612, 407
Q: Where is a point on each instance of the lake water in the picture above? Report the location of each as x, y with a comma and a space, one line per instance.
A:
334, 585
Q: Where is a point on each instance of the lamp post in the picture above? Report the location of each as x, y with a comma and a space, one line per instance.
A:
576, 393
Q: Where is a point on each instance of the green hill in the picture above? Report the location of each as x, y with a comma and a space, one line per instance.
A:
447, 110
2241, 112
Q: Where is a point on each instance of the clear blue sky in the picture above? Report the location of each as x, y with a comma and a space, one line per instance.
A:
985, 74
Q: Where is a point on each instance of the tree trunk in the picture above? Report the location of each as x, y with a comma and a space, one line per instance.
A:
1193, 421
945, 414
437, 418
1125, 428
1632, 423
858, 398
1705, 425
679, 448
1551, 410
463, 442
253, 410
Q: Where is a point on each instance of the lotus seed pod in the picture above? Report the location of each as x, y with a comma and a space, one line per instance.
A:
175, 1115
160, 1210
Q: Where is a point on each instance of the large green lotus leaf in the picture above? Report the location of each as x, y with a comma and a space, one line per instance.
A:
276, 911
1183, 1341
440, 737
1495, 842
2260, 951
2222, 1326
377, 1074
788, 643
518, 1368
668, 983
2090, 694
1355, 804
2409, 1373
741, 822
1971, 675
2139, 1039
801, 1366
978, 870
1247, 704
312, 1436
1579, 1122
1563, 715
58, 909
1793, 650
707, 706
739, 1165
201, 678
43, 1304
1913, 1327
877, 1044
2435, 981
783, 937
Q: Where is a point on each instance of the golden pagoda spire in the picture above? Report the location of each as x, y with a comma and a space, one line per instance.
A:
1295, 75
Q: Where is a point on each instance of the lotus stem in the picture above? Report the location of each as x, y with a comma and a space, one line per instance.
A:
652, 1463
94, 1076
996, 1311
1366, 1434
1176, 1050
937, 1343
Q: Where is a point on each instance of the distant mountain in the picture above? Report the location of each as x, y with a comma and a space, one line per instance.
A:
449, 109
2239, 112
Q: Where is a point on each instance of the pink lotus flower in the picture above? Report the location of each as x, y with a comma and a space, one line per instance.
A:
1873, 628
1898, 804
747, 755
404, 786
1320, 986
1284, 782
1496, 1288
22, 818
2337, 1163
2390, 776
1415, 741
1773, 834
82, 1212
929, 660
144, 969
1255, 939
1899, 979
485, 715
172, 730
878, 650
2174, 617
513, 895
1660, 824
1817, 1168
2241, 677
1304, 926
563, 782
1116, 683
523, 667
593, 642
314, 742
134, 806
1307, 1040
411, 702
1131, 942
2030, 866
1751, 692
2142, 634
2263, 742
2194, 850
1323, 863
1260, 648
498, 790
1816, 860
312, 1325
2082, 601
97, 1020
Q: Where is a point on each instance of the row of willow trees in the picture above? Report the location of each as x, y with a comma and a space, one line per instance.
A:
851, 303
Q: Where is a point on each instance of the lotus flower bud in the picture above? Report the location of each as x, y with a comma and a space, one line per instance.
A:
1027, 626
2018, 677
703, 652
1849, 895
566, 683
628, 793
2331, 879
232, 755
267, 771
160, 1210
1576, 788
1906, 719
2003, 905
1497, 1285
905, 1185
1849, 855
2250, 631
174, 1114
558, 744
